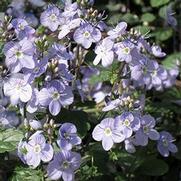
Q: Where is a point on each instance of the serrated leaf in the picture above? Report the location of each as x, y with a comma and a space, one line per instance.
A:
157, 3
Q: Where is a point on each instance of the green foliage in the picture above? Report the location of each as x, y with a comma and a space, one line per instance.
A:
26, 174
9, 139
109, 74
148, 17
157, 3
153, 167
171, 61
163, 34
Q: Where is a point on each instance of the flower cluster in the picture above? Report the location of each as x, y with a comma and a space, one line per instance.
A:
62, 163
45, 71
134, 130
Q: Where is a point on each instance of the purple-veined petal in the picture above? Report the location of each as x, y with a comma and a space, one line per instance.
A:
47, 153
107, 142
98, 133
54, 107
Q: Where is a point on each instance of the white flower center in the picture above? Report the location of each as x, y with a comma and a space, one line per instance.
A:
37, 148
154, 73
19, 54
66, 135
107, 131
65, 164
53, 17
126, 122
165, 142
86, 34
21, 26
126, 50
56, 96
146, 129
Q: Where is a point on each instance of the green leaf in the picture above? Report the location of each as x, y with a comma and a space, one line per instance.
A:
114, 19
110, 74
130, 18
114, 6
100, 157
171, 61
163, 34
9, 139
162, 12
27, 174
157, 3
148, 17
142, 29
153, 167
103, 76
90, 56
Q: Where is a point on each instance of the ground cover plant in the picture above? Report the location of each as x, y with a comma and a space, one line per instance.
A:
90, 90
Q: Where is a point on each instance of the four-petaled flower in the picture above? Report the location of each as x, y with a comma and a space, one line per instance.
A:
87, 34
55, 96
63, 165
35, 150
51, 18
104, 51
21, 28
107, 133
127, 123
165, 144
19, 55
17, 89
146, 131
68, 136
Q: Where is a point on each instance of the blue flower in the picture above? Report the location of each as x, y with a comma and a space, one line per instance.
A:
35, 150
21, 28
63, 165
19, 55
68, 136
127, 123
104, 52
87, 34
165, 144
51, 18
17, 88
118, 31
146, 131
108, 133
55, 96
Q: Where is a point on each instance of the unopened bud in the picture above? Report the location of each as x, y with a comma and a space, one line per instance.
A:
130, 105
52, 122
45, 125
56, 69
